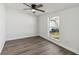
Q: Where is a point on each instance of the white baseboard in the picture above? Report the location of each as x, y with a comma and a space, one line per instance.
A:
68, 48
20, 37
2, 47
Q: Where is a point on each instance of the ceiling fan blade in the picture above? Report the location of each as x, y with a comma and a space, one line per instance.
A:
28, 9
40, 10
38, 6
26, 4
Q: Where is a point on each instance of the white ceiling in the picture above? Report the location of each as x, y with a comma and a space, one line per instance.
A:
48, 7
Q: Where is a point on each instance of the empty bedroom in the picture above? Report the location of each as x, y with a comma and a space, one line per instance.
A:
39, 28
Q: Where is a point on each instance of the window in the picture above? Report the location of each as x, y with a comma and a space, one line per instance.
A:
54, 27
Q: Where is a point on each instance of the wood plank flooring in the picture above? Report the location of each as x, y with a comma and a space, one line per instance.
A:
33, 46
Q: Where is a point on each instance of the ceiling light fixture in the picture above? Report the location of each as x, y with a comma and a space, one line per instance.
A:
33, 10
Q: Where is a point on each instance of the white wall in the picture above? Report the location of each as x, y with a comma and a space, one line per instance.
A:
20, 24
2, 26
69, 28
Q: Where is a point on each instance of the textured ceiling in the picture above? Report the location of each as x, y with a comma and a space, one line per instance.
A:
48, 7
